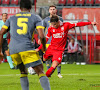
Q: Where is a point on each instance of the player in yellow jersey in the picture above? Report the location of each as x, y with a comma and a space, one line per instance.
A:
21, 47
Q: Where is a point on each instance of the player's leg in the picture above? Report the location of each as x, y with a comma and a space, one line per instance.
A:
52, 68
4, 55
23, 71
31, 59
48, 64
56, 60
23, 78
42, 77
9, 59
59, 71
5, 49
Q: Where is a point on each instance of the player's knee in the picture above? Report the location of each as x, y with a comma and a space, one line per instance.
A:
55, 64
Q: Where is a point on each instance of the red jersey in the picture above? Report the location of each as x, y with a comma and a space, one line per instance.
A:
59, 35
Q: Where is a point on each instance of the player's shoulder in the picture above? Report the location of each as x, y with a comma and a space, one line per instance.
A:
47, 18
60, 17
36, 17
66, 23
11, 18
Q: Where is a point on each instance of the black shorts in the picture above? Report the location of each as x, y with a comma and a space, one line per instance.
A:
4, 45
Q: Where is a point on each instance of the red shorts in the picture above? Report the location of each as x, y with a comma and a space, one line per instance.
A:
56, 55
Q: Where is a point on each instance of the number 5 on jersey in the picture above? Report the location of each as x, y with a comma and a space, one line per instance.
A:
21, 22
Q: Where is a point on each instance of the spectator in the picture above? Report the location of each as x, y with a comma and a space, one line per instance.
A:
72, 50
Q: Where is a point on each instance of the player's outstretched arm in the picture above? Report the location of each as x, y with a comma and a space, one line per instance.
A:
85, 23
79, 24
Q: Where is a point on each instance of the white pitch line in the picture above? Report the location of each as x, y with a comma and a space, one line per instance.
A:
10, 75
83, 74
61, 74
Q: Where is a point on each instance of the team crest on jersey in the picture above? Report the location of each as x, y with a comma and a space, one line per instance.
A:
59, 58
62, 28
53, 30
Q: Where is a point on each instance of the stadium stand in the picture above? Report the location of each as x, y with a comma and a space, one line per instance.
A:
89, 2
61, 2
46, 2
0, 2
14, 2
70, 2
80, 2
6, 2
55, 2
97, 3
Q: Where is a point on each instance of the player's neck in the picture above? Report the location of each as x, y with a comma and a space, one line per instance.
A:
25, 10
51, 15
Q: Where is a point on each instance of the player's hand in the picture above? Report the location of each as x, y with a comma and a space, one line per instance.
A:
94, 23
37, 50
39, 42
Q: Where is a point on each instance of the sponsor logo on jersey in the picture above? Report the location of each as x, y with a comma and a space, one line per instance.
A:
59, 58
58, 35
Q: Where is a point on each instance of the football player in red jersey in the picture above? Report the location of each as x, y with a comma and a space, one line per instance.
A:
58, 31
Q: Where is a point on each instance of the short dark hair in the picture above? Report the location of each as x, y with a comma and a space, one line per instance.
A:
25, 4
54, 18
4, 13
52, 6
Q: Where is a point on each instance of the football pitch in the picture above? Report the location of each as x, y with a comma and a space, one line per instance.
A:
75, 77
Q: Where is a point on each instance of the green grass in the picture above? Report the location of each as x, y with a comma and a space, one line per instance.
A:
75, 77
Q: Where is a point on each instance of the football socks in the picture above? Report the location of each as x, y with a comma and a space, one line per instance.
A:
24, 82
9, 59
44, 82
50, 71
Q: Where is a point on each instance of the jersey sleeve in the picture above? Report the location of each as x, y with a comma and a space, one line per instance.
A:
7, 24
44, 23
39, 23
70, 25
82, 24
79, 24
49, 33
40, 47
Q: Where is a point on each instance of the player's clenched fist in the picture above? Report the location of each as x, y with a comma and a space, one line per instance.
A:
94, 23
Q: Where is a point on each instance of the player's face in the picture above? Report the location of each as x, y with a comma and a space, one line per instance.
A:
55, 24
4, 17
52, 10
